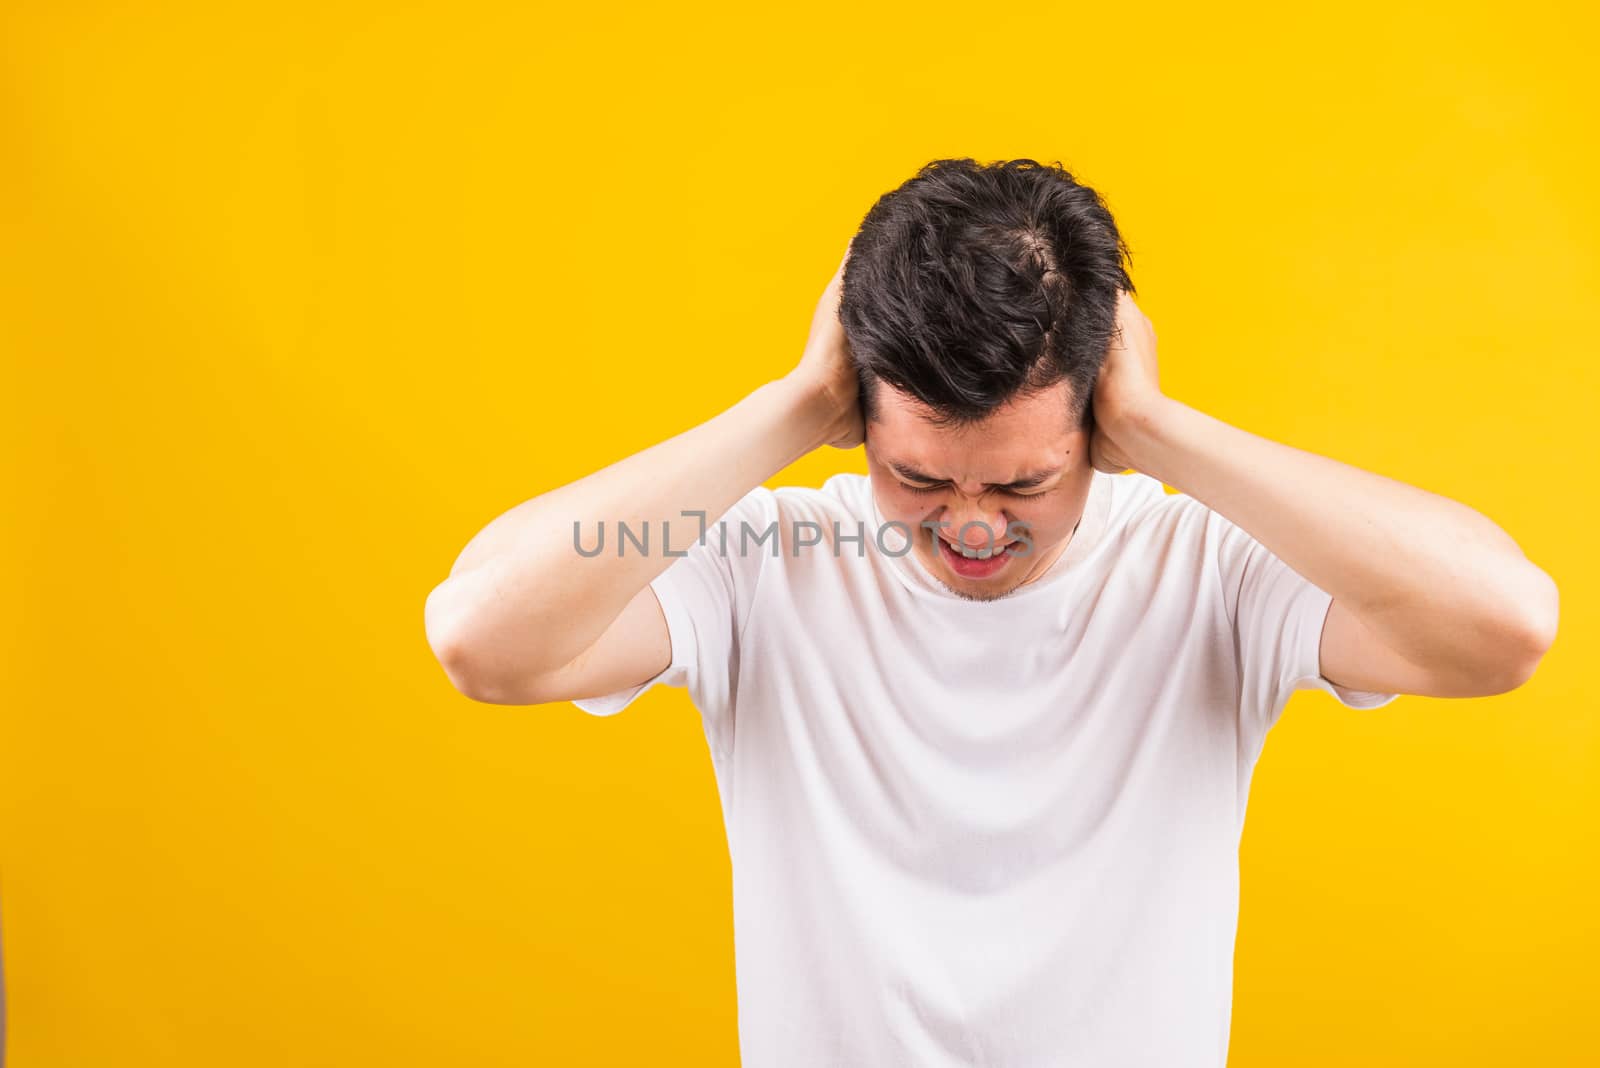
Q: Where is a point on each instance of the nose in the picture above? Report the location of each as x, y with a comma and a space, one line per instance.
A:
973, 526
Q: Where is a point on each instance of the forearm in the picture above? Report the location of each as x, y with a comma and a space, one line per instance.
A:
1437, 581
522, 594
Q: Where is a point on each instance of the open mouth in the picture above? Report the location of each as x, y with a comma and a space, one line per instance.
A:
975, 563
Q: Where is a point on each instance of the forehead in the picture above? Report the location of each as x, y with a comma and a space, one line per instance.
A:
1024, 435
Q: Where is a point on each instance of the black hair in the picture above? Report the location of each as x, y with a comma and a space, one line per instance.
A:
971, 284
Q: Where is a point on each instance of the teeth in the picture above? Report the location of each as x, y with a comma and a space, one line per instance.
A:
976, 554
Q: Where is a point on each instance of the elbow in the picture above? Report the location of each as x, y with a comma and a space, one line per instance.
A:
1540, 608
445, 622
1544, 611
442, 620
459, 669
476, 686
1514, 675
1546, 603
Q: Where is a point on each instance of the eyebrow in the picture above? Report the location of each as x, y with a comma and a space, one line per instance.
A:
1028, 481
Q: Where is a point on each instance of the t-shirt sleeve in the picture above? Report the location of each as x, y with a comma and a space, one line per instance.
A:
1277, 617
706, 596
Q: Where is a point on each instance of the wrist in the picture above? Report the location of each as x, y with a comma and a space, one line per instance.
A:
814, 409
1149, 435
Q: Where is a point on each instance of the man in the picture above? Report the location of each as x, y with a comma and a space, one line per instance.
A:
983, 722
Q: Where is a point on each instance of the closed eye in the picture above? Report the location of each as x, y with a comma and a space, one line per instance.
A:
1024, 492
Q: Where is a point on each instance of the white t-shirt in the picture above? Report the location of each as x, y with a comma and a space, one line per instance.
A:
985, 832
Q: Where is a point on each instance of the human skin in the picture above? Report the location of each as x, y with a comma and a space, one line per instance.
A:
961, 495
1430, 597
524, 618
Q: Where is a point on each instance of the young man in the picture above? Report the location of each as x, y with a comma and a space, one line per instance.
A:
983, 722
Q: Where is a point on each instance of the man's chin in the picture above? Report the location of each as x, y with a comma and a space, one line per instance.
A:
991, 589
977, 591
1016, 574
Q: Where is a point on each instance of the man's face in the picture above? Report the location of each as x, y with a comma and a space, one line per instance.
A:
1021, 465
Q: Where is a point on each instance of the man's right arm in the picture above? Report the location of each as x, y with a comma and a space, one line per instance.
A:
524, 618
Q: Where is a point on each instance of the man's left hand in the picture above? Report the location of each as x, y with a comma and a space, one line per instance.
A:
1128, 388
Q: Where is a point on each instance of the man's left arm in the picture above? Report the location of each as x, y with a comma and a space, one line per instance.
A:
1429, 596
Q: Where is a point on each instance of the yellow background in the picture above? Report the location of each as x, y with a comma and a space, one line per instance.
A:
296, 297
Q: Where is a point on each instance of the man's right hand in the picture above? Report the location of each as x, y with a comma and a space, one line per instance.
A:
827, 370
597, 623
